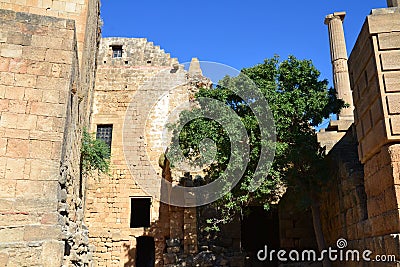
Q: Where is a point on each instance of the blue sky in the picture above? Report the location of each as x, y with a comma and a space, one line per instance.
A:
236, 33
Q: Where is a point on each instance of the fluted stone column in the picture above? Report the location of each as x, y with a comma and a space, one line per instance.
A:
393, 3
339, 63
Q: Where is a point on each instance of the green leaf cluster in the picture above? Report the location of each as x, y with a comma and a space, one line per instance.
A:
95, 154
298, 100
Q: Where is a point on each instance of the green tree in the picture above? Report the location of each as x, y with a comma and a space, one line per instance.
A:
95, 154
298, 100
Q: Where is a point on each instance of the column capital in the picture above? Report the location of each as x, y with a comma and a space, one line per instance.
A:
335, 15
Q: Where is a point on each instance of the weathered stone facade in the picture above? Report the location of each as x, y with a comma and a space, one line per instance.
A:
362, 204
45, 100
128, 86
51, 215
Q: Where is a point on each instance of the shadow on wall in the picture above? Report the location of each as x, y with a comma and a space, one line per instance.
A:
130, 254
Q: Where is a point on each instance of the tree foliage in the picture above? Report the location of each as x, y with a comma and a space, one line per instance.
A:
298, 100
95, 154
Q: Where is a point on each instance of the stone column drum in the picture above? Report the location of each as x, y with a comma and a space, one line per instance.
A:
339, 63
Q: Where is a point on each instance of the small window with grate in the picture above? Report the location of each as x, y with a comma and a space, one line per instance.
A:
116, 51
104, 132
140, 212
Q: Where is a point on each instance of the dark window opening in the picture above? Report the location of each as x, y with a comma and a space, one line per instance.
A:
116, 51
126, 62
145, 251
140, 212
148, 61
104, 132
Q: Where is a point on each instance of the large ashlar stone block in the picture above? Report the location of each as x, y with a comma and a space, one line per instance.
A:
8, 188
15, 168
15, 234
4, 259
392, 82
388, 40
374, 76
58, 56
390, 60
393, 101
18, 65
41, 232
19, 38
11, 51
33, 53
18, 148
39, 68
40, 149
25, 80
52, 253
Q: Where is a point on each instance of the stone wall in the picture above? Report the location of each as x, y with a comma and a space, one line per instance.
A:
40, 204
374, 75
362, 202
85, 13
81, 11
295, 226
374, 78
344, 207
138, 89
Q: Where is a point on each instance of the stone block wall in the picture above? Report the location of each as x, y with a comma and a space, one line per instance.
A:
374, 75
41, 214
139, 88
85, 13
362, 202
344, 203
77, 10
295, 226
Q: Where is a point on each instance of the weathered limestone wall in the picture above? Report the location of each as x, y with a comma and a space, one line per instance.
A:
78, 10
296, 229
40, 206
375, 78
88, 57
140, 76
85, 13
362, 203
344, 204
374, 67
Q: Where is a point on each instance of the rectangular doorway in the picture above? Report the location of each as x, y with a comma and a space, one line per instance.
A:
145, 251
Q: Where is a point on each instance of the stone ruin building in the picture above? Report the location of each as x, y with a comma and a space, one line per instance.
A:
57, 76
